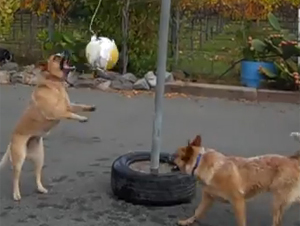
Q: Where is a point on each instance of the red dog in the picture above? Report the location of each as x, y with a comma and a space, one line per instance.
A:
236, 179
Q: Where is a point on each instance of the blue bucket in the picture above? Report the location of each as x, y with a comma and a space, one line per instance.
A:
250, 75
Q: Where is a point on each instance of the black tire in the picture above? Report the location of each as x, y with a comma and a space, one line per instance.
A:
148, 189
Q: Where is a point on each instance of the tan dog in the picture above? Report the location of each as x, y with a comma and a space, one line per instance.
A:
236, 179
49, 104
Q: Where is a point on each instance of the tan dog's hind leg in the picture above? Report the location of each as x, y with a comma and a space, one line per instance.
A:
6, 157
36, 155
239, 207
81, 107
201, 210
18, 155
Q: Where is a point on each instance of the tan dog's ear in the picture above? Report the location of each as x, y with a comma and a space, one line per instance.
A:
197, 141
52, 58
42, 66
188, 153
53, 66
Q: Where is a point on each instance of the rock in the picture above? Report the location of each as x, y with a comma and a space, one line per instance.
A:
29, 75
151, 78
26, 77
73, 77
141, 84
169, 77
66, 85
109, 75
178, 75
37, 72
100, 80
4, 77
16, 77
87, 83
104, 85
29, 78
10, 66
130, 77
29, 68
121, 83
85, 76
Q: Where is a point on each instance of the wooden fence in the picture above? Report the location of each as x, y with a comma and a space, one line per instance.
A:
22, 39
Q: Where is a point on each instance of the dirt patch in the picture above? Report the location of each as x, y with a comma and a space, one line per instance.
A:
144, 167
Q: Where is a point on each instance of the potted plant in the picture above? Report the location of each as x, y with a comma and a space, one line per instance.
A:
254, 60
272, 59
284, 47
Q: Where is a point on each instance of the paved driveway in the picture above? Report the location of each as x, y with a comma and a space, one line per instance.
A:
79, 156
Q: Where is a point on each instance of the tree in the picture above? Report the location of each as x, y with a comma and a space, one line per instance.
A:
56, 9
240, 9
7, 10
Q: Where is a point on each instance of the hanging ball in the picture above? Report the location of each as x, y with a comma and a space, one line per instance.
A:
114, 57
102, 52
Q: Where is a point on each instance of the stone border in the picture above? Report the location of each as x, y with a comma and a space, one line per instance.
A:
232, 92
11, 73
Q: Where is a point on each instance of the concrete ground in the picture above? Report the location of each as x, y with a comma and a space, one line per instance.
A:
79, 157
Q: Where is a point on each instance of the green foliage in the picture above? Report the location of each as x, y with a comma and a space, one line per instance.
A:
243, 36
274, 22
142, 31
259, 45
71, 41
141, 38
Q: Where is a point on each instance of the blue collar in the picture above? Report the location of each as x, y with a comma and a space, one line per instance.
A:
197, 164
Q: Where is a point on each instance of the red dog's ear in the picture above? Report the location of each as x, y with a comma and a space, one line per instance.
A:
188, 153
197, 141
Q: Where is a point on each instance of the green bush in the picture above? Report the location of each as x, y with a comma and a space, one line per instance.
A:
142, 33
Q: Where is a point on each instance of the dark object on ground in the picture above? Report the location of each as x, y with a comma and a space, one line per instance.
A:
5, 56
143, 188
280, 84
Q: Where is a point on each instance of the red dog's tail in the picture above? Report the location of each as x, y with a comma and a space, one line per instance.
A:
296, 136
296, 156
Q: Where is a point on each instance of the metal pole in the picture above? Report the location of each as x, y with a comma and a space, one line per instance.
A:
160, 86
299, 33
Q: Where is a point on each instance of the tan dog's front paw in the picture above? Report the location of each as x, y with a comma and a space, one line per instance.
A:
92, 108
17, 196
187, 221
83, 119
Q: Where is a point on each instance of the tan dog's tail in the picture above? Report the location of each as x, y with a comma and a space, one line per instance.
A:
5, 157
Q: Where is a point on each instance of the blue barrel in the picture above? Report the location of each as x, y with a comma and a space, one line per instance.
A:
250, 75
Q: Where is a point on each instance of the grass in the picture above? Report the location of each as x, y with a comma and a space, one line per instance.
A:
210, 59
213, 58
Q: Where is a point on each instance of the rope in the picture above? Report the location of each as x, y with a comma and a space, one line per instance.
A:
93, 17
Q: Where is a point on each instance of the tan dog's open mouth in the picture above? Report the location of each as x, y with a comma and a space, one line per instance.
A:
65, 64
